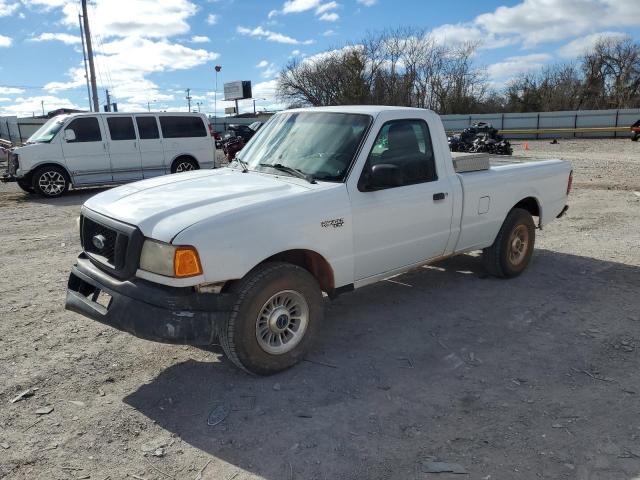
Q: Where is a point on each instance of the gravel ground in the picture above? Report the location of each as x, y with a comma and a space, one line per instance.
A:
535, 377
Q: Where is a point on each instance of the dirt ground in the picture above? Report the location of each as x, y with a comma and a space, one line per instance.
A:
535, 377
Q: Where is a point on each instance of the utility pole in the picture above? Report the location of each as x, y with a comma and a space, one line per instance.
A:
215, 98
84, 58
188, 97
92, 69
42, 104
108, 100
198, 105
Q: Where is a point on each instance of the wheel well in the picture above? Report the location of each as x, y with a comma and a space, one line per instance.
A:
49, 164
311, 261
530, 204
183, 157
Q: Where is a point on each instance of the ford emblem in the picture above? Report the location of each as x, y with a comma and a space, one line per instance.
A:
98, 241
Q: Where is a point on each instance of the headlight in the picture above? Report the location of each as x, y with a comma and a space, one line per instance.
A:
170, 260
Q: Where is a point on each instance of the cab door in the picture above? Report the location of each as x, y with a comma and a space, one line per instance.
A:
151, 149
406, 218
85, 152
123, 149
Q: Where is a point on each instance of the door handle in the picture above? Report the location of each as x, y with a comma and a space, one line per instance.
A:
439, 196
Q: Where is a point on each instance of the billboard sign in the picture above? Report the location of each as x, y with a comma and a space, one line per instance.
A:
237, 90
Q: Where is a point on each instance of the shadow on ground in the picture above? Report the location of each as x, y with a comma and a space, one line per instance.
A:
523, 378
72, 197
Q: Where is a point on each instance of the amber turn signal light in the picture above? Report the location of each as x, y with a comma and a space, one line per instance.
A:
186, 262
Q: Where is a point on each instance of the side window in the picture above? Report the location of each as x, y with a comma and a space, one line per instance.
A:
86, 129
181, 127
121, 128
147, 128
404, 146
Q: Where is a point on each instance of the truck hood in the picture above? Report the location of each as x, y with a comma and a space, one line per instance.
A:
164, 206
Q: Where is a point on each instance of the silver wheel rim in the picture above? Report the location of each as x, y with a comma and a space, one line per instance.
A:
52, 183
518, 245
282, 322
184, 167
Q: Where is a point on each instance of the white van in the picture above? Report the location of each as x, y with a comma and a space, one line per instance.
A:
88, 149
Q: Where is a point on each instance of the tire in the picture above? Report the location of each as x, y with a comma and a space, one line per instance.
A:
512, 249
184, 164
26, 186
252, 336
635, 137
50, 181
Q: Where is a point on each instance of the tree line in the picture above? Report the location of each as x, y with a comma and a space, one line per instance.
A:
408, 67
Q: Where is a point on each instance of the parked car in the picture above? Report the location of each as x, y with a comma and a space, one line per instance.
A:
243, 131
635, 131
88, 149
321, 200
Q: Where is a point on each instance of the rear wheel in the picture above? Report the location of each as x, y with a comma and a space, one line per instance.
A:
512, 249
635, 137
184, 165
50, 181
276, 315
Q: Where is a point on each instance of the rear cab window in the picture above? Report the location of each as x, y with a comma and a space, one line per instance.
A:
182, 127
86, 129
121, 128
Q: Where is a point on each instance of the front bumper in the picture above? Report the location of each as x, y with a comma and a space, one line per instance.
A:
147, 310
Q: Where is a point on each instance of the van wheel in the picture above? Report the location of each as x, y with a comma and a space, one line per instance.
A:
26, 186
184, 165
275, 317
512, 249
50, 181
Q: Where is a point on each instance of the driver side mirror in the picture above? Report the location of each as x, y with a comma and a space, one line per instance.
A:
69, 135
383, 175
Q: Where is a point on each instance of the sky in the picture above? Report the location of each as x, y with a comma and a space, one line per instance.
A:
148, 52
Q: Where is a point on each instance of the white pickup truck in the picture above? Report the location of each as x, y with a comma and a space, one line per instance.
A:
321, 200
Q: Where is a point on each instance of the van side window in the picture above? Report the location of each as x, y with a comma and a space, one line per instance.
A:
147, 128
405, 144
86, 129
121, 128
180, 127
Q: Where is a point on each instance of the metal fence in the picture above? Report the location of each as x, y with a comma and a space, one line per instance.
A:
17, 130
610, 123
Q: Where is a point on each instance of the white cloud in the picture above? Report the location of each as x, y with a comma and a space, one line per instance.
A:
8, 8
295, 53
368, 3
512, 66
10, 90
147, 18
450, 34
30, 105
200, 39
329, 17
329, 33
5, 41
5, 99
322, 10
262, 64
538, 21
212, 19
61, 37
269, 69
581, 45
260, 32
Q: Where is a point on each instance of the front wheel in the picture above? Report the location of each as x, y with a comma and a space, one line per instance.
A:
50, 181
512, 249
635, 137
274, 319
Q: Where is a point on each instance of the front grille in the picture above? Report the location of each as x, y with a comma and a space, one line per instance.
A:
117, 250
92, 230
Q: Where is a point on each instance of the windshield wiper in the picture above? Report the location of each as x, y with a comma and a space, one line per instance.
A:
243, 164
290, 170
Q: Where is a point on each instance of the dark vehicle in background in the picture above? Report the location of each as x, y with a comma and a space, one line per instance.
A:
635, 131
480, 137
236, 138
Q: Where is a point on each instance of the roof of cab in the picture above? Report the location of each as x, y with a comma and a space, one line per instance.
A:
361, 109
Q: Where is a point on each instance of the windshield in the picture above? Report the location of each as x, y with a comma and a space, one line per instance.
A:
47, 131
320, 145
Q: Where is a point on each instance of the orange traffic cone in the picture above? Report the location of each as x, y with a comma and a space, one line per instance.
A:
526, 146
